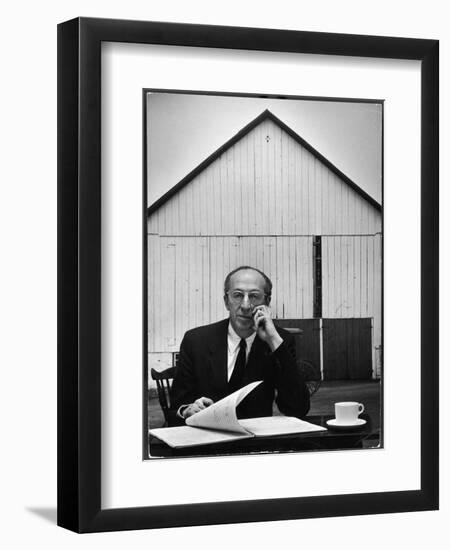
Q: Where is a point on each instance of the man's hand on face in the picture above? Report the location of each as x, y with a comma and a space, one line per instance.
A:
197, 406
265, 328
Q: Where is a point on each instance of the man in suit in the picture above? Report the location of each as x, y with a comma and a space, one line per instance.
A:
220, 358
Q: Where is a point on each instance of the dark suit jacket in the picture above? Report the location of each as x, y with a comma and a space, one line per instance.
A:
202, 372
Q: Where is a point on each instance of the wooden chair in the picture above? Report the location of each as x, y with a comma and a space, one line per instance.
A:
163, 381
310, 372
311, 375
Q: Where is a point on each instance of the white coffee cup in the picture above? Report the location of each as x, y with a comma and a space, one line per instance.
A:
347, 412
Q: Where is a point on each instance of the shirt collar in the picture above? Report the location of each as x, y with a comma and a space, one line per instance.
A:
234, 339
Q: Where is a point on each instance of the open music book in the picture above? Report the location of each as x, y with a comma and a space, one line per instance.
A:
218, 423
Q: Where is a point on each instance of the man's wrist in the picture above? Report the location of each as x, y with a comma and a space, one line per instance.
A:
275, 342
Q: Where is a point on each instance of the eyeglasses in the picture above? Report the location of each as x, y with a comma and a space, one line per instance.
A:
255, 298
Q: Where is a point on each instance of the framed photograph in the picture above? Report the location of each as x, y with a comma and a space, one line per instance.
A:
265, 198
248, 269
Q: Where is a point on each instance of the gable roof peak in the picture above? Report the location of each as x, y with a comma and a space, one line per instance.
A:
243, 132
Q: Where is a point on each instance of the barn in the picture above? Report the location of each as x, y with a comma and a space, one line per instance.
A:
267, 198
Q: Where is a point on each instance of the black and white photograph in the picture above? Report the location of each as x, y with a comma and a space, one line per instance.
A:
264, 262
225, 274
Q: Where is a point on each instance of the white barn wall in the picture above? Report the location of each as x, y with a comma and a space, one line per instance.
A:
260, 203
187, 273
266, 188
351, 278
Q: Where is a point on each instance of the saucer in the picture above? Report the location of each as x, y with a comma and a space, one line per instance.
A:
333, 423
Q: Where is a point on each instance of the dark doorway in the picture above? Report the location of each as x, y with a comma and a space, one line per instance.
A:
347, 349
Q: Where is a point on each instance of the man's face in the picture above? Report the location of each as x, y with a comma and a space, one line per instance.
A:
249, 283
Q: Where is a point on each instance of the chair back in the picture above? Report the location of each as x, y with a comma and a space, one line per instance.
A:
311, 375
163, 381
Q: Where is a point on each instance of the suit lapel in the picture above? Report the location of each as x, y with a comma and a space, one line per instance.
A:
256, 359
218, 358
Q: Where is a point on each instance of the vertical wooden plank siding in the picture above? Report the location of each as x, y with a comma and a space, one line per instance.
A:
186, 280
377, 324
352, 271
347, 349
152, 259
266, 184
260, 203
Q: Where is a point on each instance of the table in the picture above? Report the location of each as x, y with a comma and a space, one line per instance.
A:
336, 439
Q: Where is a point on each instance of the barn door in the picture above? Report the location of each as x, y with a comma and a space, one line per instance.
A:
308, 342
347, 349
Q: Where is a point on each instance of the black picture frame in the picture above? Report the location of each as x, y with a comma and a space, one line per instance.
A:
79, 274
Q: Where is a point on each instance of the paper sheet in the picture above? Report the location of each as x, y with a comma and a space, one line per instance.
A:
186, 436
278, 425
222, 415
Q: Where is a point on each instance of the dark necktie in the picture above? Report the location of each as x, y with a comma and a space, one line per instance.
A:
237, 375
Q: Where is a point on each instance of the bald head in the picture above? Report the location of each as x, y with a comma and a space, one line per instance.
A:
266, 282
